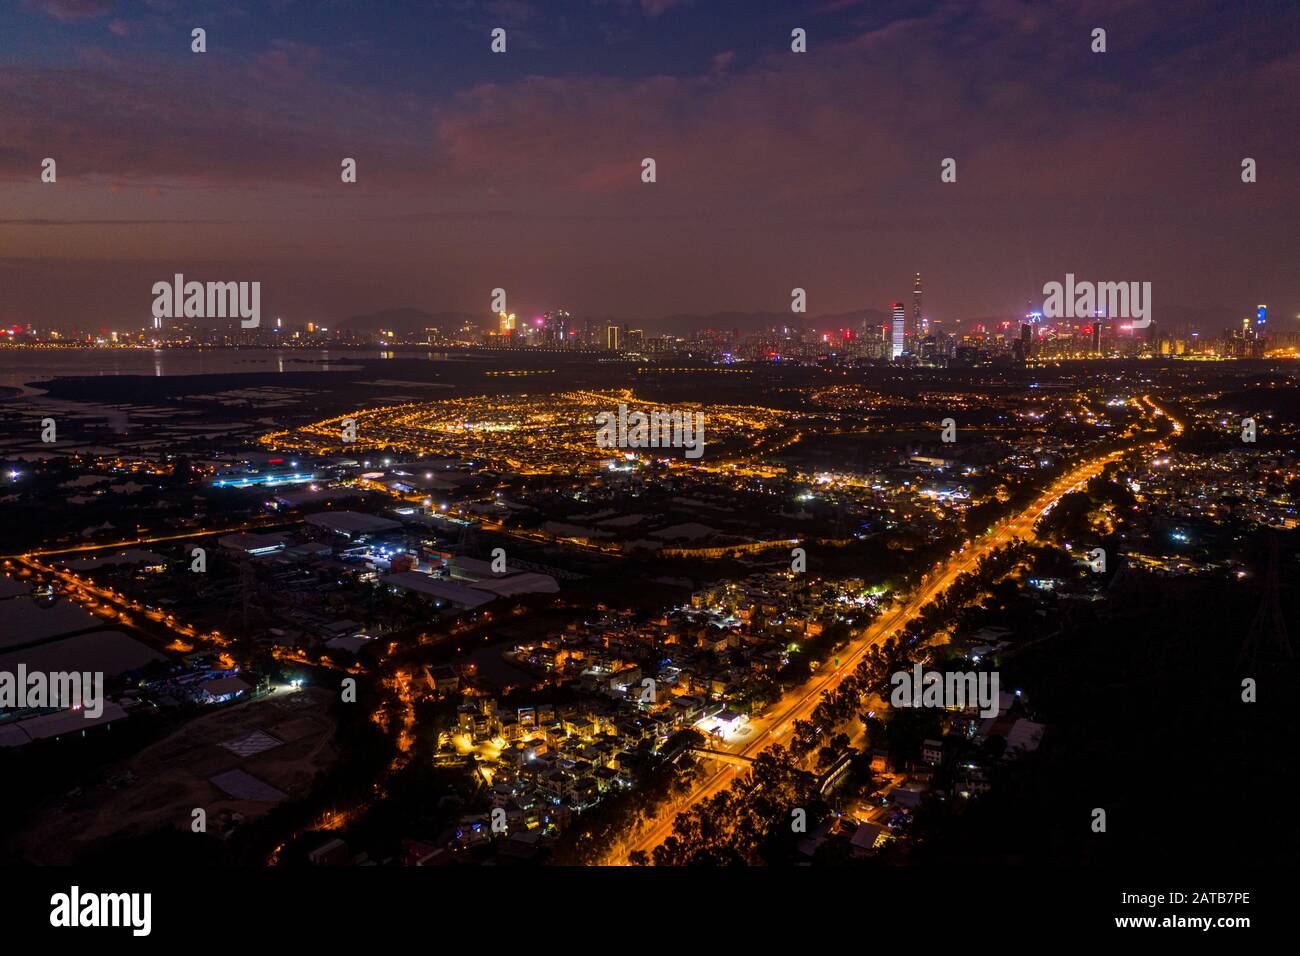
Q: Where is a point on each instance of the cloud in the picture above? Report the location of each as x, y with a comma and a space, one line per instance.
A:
772, 132
286, 61
768, 163
68, 11
656, 7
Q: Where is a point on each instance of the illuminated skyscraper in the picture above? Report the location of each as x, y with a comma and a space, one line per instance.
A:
556, 326
917, 330
896, 339
611, 338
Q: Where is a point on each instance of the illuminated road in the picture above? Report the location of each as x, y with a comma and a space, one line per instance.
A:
270, 521
118, 609
800, 703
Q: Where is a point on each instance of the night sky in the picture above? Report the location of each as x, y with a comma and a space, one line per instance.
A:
522, 170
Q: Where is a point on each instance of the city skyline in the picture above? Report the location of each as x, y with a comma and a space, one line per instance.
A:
918, 323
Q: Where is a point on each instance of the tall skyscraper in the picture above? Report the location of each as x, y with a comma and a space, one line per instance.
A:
917, 331
896, 339
556, 327
611, 337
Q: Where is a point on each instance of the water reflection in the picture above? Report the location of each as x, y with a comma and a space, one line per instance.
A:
20, 366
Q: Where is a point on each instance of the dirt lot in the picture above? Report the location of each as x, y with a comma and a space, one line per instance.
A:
165, 782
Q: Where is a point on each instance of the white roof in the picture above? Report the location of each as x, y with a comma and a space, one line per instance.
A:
11, 735
224, 685
449, 591
352, 522
111, 652
26, 621
245, 541
473, 566
866, 835
528, 582
1025, 736
67, 721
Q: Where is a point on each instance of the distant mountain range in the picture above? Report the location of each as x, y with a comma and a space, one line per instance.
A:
414, 320
1209, 321
684, 322
410, 320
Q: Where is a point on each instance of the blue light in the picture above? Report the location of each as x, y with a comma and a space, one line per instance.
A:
249, 481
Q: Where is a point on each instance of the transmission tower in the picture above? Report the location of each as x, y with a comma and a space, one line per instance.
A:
248, 610
467, 542
1266, 642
